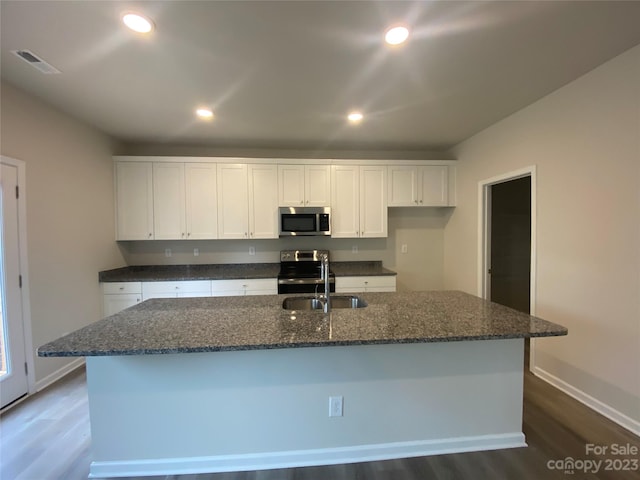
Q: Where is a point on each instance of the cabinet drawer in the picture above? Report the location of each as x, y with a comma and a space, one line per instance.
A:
248, 285
191, 286
379, 283
113, 288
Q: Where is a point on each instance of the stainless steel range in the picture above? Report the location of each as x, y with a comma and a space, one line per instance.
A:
300, 272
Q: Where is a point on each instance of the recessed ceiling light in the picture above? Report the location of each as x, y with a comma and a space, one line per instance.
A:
137, 22
204, 113
396, 35
355, 117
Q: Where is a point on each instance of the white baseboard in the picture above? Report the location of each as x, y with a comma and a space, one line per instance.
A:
58, 374
303, 458
602, 408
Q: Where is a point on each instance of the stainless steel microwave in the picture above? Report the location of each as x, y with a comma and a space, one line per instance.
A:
300, 221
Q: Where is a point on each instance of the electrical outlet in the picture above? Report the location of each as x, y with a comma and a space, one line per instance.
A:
167, 252
335, 406
354, 249
404, 248
252, 250
196, 252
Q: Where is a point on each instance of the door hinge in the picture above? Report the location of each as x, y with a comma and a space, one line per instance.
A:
17, 191
26, 368
20, 281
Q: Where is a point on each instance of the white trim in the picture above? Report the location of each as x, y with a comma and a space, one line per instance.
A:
483, 238
24, 269
58, 374
303, 458
602, 408
279, 161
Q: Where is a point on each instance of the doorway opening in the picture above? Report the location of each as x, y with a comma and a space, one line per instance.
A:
507, 248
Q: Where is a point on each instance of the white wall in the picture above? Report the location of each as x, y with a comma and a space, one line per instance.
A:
70, 223
421, 229
585, 140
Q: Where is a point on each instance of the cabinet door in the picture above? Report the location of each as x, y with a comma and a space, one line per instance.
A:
201, 201
403, 186
233, 201
291, 185
317, 185
113, 304
373, 201
134, 200
434, 186
263, 201
168, 201
345, 218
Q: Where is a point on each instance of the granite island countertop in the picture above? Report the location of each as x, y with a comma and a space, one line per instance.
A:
211, 324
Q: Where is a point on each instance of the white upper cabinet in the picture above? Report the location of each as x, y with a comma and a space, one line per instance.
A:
247, 201
263, 201
304, 185
201, 200
418, 186
169, 221
358, 201
233, 201
373, 202
185, 201
134, 200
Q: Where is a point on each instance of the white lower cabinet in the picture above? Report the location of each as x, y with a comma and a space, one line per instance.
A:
240, 287
377, 283
120, 295
184, 288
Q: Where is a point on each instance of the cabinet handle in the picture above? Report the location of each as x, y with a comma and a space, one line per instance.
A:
121, 288
245, 234
366, 283
177, 288
182, 234
416, 202
189, 234
138, 300
420, 201
150, 235
301, 202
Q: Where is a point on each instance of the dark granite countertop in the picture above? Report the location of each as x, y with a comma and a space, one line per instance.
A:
159, 273
210, 324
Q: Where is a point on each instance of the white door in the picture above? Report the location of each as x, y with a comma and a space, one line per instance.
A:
345, 198
317, 185
291, 185
403, 186
263, 201
373, 201
434, 182
233, 201
13, 375
202, 201
134, 200
168, 201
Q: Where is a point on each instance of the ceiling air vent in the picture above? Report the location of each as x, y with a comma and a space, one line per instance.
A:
36, 62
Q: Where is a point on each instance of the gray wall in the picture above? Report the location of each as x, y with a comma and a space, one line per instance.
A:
70, 215
585, 141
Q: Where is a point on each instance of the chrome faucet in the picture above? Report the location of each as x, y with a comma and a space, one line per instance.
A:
324, 275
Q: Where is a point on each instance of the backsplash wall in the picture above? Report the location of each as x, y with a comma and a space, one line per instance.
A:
421, 229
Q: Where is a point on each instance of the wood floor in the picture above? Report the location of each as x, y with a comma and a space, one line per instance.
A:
47, 437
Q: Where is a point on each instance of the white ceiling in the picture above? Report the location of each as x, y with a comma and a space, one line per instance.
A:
286, 73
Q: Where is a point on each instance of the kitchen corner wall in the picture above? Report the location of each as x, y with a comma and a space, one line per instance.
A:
421, 229
585, 141
70, 216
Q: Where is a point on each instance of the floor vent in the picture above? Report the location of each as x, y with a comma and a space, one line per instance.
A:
36, 62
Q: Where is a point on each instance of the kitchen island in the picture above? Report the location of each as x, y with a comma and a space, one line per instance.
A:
188, 385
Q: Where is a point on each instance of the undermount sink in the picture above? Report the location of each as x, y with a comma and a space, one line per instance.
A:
312, 303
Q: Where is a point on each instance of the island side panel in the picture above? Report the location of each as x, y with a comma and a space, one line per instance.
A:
241, 410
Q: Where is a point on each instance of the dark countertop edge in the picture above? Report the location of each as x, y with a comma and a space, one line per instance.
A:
275, 346
143, 273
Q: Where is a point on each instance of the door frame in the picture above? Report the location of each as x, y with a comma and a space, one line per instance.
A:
484, 236
24, 269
